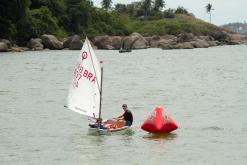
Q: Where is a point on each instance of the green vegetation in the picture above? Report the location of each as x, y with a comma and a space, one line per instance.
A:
24, 19
179, 24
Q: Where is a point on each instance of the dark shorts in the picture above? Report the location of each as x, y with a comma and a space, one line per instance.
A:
128, 123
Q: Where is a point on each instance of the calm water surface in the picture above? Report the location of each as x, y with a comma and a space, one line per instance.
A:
204, 90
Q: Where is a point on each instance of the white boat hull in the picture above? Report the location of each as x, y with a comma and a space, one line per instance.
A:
97, 131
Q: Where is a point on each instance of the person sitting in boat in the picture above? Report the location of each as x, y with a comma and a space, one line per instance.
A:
126, 119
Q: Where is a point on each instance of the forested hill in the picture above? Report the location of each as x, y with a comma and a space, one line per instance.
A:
24, 19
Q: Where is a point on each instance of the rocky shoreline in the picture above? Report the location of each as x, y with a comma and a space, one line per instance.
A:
133, 41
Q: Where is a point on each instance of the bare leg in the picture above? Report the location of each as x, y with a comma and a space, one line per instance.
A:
119, 123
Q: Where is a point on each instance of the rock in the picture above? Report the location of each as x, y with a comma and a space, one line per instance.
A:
109, 47
19, 49
73, 43
154, 41
35, 44
108, 42
198, 43
6, 42
238, 38
205, 38
3, 47
166, 44
51, 42
185, 37
135, 41
67, 41
170, 37
148, 39
222, 36
184, 45
213, 43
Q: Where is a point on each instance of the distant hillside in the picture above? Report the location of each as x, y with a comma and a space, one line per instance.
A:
237, 27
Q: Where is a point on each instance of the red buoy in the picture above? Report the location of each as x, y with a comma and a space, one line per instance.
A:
159, 122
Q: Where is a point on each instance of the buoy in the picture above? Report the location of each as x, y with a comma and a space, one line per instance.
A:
159, 122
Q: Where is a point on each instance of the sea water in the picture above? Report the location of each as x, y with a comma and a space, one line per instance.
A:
204, 91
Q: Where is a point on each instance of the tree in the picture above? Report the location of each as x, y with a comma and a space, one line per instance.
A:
106, 4
22, 8
169, 13
181, 10
158, 5
135, 9
120, 8
79, 17
208, 10
146, 5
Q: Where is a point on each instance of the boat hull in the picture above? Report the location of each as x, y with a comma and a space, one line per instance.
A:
97, 131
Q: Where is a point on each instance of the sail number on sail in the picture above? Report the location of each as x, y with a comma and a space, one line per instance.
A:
81, 72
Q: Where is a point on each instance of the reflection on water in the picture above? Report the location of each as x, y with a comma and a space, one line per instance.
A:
214, 128
129, 132
160, 136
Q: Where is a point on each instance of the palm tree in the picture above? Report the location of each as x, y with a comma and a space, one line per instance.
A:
208, 10
106, 4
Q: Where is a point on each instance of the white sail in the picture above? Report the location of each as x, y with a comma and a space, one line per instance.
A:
84, 93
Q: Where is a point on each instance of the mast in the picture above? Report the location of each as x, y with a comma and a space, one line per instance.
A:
100, 88
101, 85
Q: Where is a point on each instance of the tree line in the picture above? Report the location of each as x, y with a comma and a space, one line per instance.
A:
21, 20
24, 19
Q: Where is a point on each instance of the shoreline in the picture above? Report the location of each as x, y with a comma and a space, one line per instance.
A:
133, 41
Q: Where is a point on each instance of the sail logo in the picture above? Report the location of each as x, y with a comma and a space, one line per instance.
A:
80, 72
84, 55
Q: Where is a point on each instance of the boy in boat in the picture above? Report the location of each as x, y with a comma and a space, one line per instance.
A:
126, 119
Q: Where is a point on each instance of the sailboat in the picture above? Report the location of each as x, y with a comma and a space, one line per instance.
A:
85, 93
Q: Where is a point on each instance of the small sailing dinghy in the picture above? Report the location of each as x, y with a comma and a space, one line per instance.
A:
85, 92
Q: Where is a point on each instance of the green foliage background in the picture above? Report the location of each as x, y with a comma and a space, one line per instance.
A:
24, 19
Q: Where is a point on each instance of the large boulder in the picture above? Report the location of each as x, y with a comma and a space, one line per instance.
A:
199, 43
3, 47
35, 44
238, 38
73, 42
223, 37
51, 42
185, 37
184, 45
154, 41
166, 44
6, 42
108, 42
135, 41
16, 48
